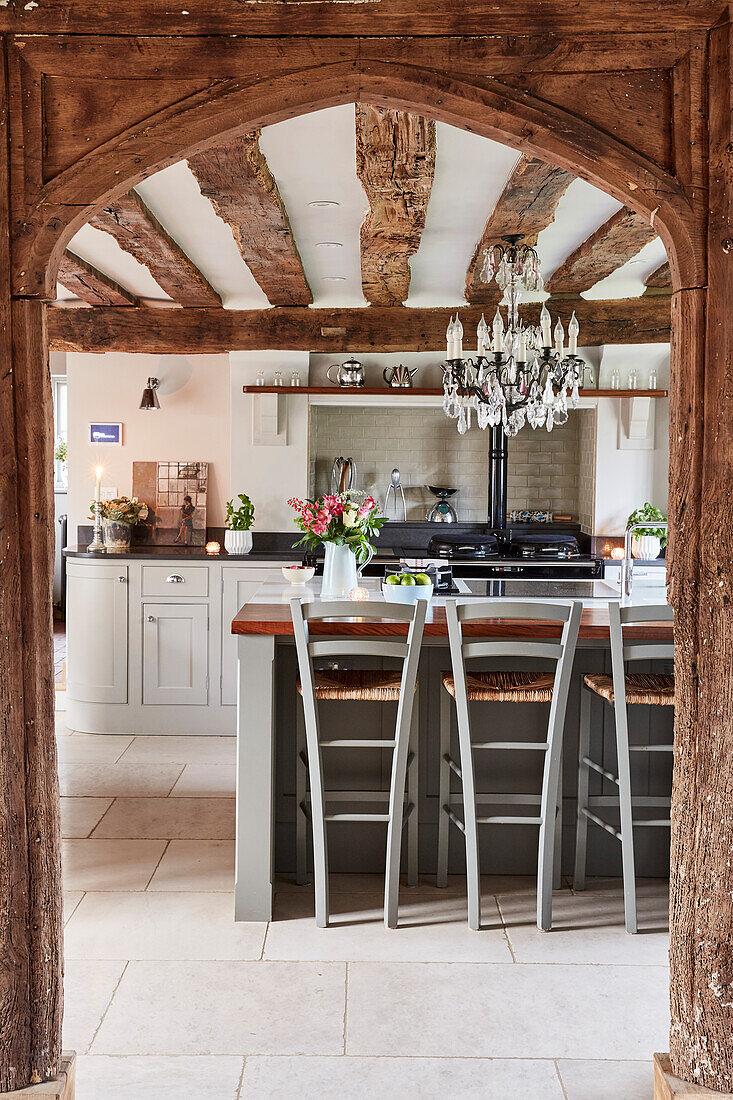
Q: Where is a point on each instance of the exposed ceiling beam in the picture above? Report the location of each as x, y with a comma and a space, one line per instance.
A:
616, 241
90, 285
383, 328
395, 161
236, 180
138, 231
661, 279
527, 205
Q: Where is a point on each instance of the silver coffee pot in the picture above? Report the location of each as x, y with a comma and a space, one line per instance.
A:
399, 377
350, 374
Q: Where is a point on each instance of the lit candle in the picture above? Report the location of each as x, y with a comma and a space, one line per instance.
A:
458, 338
498, 327
559, 337
359, 594
546, 324
98, 490
573, 330
212, 547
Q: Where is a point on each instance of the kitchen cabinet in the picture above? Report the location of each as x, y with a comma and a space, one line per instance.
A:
97, 632
175, 653
149, 642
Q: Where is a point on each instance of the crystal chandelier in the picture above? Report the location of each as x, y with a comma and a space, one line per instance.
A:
517, 376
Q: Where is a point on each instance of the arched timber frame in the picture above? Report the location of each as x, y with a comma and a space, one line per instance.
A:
62, 158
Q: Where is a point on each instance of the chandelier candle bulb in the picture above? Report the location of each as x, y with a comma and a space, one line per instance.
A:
522, 348
449, 339
573, 330
546, 325
559, 338
458, 338
498, 332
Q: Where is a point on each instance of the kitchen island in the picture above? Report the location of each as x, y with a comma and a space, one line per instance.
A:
266, 702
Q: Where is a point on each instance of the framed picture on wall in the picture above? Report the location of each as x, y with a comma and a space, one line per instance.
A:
108, 434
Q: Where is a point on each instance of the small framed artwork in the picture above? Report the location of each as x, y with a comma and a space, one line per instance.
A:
109, 434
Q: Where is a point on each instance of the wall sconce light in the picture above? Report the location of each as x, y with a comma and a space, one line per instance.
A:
150, 397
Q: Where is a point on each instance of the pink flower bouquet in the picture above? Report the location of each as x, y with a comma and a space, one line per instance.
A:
346, 519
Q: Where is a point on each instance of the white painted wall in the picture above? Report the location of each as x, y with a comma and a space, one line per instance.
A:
192, 422
269, 474
625, 479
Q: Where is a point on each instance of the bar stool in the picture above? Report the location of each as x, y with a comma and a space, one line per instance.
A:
362, 685
621, 689
505, 687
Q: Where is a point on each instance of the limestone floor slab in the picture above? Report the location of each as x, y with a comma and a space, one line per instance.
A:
97, 747
88, 990
181, 750
512, 1011
196, 865
430, 929
604, 1080
80, 815
182, 1008
587, 929
169, 818
160, 926
349, 1078
645, 887
109, 864
71, 900
206, 781
117, 780
103, 1078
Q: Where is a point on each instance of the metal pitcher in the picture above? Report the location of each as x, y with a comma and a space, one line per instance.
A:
350, 374
400, 377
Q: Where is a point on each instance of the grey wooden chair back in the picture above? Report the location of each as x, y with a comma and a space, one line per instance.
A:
408, 651
621, 653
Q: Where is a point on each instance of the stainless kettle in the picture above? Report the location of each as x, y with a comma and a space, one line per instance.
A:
399, 377
350, 374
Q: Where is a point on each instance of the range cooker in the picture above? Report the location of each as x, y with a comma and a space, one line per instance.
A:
548, 555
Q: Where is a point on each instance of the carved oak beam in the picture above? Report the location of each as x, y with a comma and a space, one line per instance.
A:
527, 205
615, 242
138, 231
235, 178
660, 279
91, 285
383, 328
395, 161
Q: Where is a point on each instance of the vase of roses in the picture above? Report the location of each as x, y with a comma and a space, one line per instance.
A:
344, 523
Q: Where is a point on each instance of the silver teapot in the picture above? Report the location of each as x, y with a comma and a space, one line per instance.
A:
350, 374
400, 377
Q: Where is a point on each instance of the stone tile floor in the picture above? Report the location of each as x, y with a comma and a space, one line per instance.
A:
167, 997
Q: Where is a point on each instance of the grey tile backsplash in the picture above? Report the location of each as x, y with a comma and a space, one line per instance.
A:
544, 468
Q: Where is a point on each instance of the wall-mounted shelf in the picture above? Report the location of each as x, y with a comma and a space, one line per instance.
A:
414, 391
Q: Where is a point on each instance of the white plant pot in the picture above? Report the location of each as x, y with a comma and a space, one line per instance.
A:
645, 547
237, 542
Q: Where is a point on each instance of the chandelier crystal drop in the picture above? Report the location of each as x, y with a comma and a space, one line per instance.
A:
517, 376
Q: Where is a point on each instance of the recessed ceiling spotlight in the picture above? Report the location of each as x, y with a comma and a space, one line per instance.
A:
324, 202
334, 278
329, 244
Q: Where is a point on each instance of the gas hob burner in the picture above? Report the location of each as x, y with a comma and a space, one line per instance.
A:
556, 549
470, 547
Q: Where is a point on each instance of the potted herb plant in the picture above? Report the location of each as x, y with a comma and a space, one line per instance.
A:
344, 523
238, 534
119, 516
648, 542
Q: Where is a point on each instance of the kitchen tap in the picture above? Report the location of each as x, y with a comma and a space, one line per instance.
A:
627, 566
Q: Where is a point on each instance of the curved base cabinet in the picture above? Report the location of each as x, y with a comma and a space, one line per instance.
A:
149, 648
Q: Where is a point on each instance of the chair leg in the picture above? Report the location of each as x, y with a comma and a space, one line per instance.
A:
473, 868
413, 786
444, 793
396, 812
557, 854
581, 826
627, 826
301, 821
548, 815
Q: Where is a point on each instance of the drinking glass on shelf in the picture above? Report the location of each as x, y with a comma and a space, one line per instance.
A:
295, 378
632, 380
277, 378
260, 379
615, 379
652, 383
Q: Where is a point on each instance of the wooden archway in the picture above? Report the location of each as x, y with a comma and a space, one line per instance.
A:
57, 168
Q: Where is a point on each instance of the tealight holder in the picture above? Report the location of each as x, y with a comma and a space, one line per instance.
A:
213, 547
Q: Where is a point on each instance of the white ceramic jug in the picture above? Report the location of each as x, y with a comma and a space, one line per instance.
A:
339, 571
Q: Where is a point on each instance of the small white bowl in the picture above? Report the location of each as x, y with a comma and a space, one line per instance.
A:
406, 593
298, 574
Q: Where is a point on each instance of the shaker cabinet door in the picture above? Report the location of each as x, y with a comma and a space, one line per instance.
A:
96, 628
175, 653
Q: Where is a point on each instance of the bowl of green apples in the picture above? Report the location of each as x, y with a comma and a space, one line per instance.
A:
406, 587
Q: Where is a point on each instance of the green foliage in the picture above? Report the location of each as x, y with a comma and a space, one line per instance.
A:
242, 518
127, 510
62, 451
648, 512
